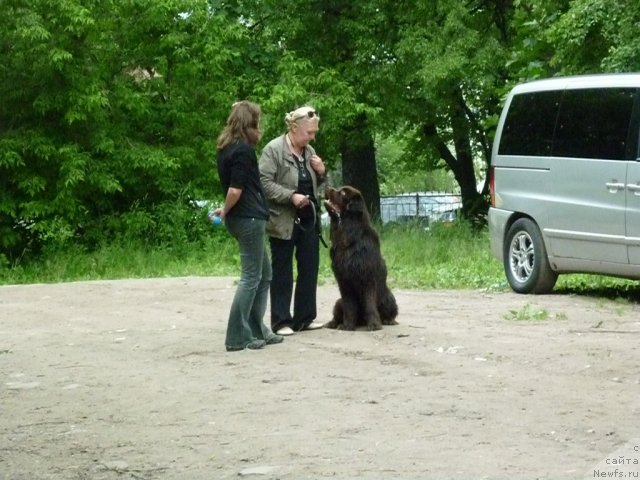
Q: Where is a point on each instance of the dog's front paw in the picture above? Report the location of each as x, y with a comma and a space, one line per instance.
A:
350, 326
332, 324
345, 328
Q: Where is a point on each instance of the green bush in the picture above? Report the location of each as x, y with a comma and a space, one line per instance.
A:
179, 240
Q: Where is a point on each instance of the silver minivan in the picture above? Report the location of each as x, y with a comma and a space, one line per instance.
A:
565, 180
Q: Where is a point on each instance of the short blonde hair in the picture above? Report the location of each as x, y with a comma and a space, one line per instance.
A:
292, 118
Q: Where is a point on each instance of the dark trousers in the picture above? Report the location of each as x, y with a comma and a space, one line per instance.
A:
305, 244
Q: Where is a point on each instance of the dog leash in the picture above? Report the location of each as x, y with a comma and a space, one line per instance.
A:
298, 222
322, 239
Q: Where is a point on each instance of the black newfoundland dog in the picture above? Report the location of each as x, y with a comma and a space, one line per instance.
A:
357, 264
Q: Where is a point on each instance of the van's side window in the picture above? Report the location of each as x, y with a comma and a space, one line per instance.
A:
530, 123
594, 123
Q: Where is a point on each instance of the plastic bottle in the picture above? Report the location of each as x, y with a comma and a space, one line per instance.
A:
215, 220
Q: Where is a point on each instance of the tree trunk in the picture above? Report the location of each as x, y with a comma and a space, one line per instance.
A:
359, 164
474, 204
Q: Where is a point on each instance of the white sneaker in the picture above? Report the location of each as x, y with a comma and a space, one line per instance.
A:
285, 331
314, 326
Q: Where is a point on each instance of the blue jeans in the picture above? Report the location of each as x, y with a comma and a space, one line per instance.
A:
250, 300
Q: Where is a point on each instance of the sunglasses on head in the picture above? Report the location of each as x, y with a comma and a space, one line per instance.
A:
309, 114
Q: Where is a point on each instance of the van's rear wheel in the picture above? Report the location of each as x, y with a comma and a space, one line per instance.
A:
525, 259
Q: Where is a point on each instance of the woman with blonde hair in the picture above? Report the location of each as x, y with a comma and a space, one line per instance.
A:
245, 213
292, 176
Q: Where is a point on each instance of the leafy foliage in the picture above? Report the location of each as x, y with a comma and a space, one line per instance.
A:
111, 108
597, 36
111, 113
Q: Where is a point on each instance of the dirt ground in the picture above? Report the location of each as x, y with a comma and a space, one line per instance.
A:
130, 380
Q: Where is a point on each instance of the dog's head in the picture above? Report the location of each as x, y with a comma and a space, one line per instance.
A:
344, 201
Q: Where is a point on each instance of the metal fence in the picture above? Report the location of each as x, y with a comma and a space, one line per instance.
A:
426, 207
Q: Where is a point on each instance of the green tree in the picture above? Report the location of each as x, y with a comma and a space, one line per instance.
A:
594, 36
450, 58
111, 108
324, 58
432, 69
110, 113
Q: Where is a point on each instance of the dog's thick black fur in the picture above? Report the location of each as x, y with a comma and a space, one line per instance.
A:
357, 264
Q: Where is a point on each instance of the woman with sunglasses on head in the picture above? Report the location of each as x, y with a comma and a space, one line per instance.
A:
292, 176
245, 213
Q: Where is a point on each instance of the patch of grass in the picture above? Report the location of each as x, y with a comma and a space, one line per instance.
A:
601, 286
446, 256
217, 257
533, 314
527, 313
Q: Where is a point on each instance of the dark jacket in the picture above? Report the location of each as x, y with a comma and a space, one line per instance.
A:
238, 168
279, 177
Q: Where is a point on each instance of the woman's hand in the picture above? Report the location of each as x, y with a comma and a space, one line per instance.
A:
316, 163
299, 200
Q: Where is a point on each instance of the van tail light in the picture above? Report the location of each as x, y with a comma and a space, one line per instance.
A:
492, 187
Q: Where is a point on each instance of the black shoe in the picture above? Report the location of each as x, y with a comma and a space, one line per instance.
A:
273, 339
252, 345
256, 344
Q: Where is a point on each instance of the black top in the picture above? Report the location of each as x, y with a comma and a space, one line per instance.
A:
238, 168
305, 187
305, 184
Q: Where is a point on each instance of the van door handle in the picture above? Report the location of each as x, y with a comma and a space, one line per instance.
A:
635, 188
613, 186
